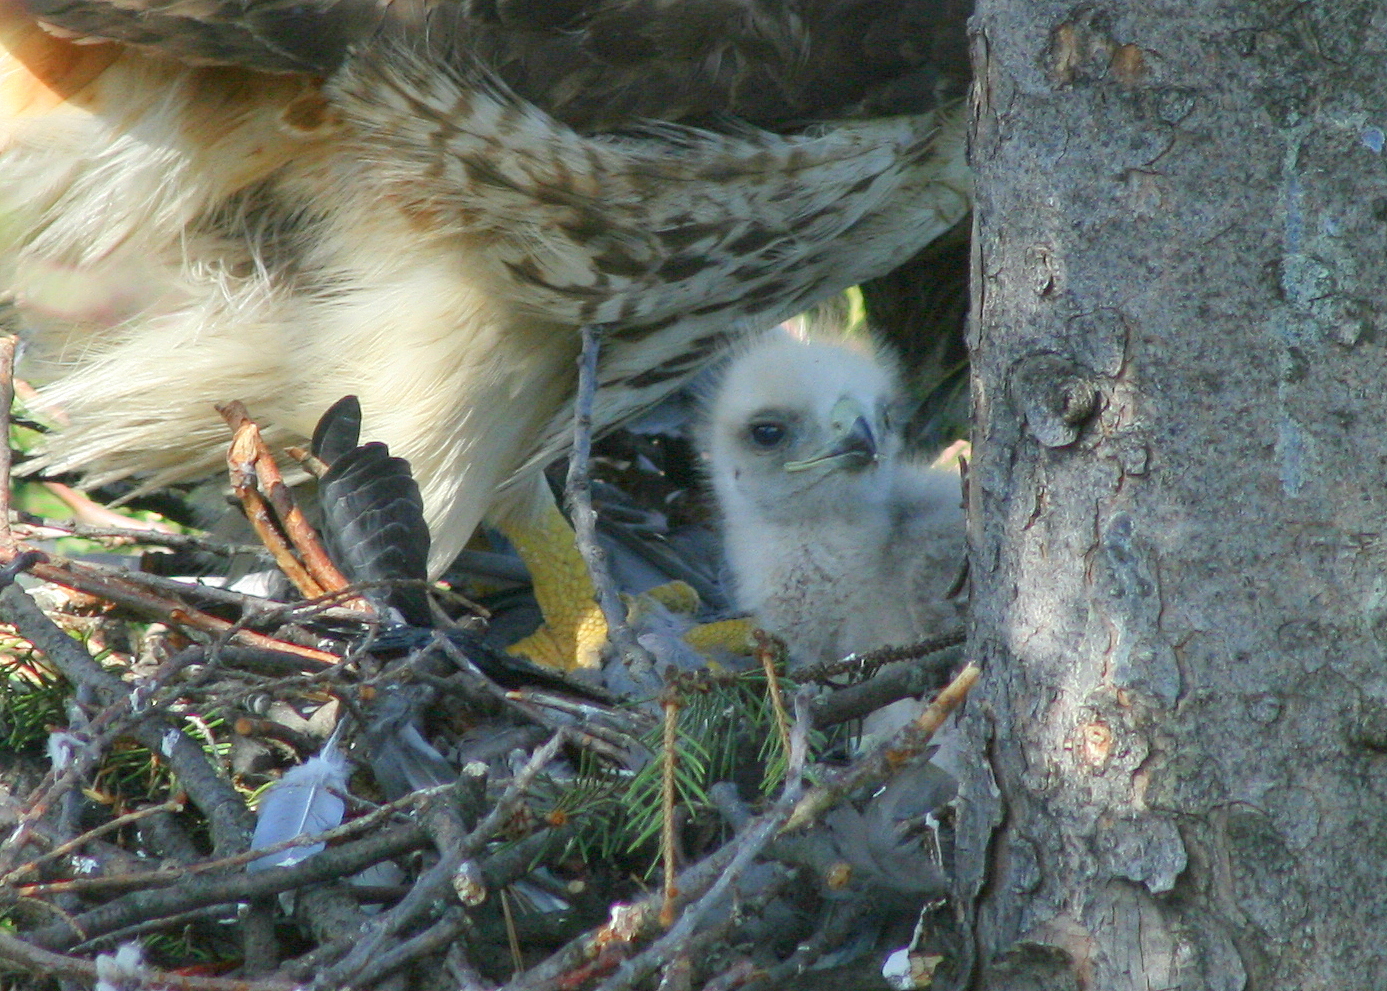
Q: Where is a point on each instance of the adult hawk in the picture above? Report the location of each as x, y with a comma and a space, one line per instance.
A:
418, 201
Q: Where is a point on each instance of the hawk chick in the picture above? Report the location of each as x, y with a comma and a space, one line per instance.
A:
837, 543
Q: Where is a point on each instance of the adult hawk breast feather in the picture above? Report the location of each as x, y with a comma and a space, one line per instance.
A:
418, 201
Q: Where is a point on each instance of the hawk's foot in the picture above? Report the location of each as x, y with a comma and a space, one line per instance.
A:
574, 629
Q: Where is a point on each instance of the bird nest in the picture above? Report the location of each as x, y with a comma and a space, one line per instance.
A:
210, 787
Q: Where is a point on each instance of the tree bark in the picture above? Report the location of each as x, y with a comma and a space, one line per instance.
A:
1176, 503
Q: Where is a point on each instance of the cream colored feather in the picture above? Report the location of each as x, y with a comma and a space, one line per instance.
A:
412, 233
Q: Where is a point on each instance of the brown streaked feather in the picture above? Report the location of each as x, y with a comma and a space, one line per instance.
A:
267, 35
622, 231
420, 229
595, 64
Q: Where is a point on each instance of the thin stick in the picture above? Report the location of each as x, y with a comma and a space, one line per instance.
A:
515, 793
192, 893
707, 882
906, 680
635, 921
87, 510
249, 458
578, 492
57, 783
434, 939
517, 959
6, 400
675, 945
39, 961
668, 759
747, 846
879, 764
230, 820
109, 585
872, 659
439, 878
137, 533
766, 653
241, 457
172, 805
168, 876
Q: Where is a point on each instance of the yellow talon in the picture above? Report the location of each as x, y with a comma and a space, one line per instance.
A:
676, 596
574, 629
732, 636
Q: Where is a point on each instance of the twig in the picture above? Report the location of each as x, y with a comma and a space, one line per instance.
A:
7, 343
40, 961
434, 939
86, 510
329, 865
734, 977
155, 878
707, 882
498, 870
878, 764
114, 721
838, 929
437, 881
517, 958
668, 759
242, 462
108, 725
597, 717
711, 941
262, 521
873, 659
308, 461
172, 805
578, 492
250, 462
137, 535
747, 846
905, 680
230, 820
766, 651
515, 793
214, 913
519, 702
463, 975
254, 727
259, 610
118, 588
632, 922
677, 975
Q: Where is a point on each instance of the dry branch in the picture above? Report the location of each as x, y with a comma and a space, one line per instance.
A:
256, 480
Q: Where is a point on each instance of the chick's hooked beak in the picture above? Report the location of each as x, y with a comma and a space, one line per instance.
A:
851, 444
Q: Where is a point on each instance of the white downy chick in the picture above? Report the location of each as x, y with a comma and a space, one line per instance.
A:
836, 542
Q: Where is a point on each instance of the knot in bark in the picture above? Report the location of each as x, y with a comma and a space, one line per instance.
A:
1056, 396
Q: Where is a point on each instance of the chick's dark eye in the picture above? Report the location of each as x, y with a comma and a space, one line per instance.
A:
766, 435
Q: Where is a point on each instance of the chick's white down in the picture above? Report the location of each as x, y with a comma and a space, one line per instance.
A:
836, 542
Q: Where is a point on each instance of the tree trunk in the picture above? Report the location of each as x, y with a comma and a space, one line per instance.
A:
1176, 503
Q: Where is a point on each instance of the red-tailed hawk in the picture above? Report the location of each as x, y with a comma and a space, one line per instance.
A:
418, 201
